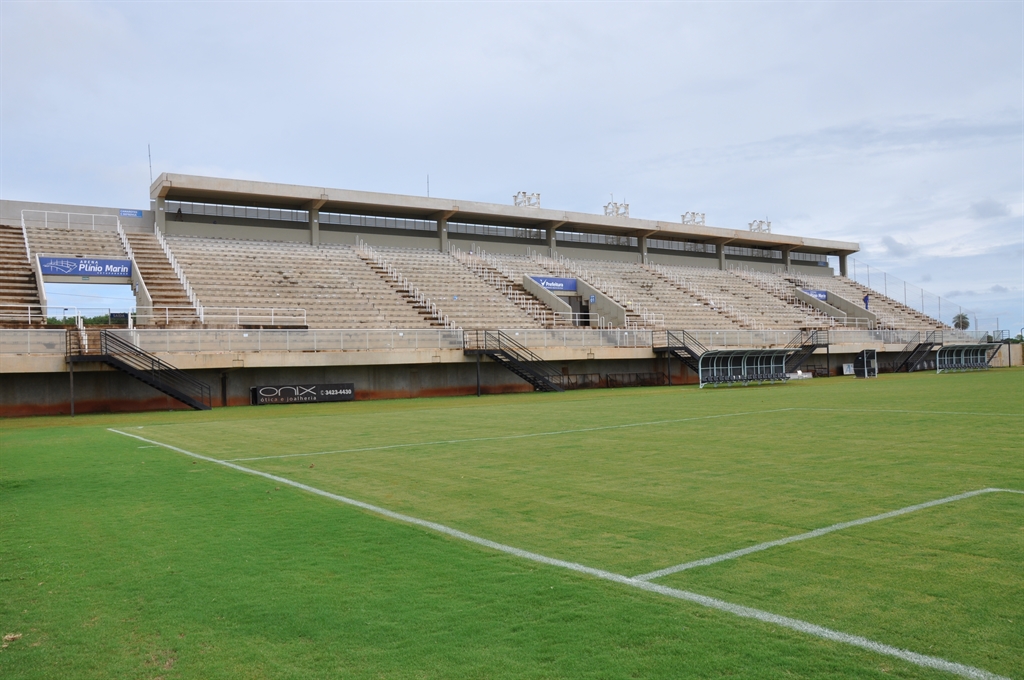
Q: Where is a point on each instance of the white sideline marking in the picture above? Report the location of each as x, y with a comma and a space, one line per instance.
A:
897, 410
513, 436
703, 600
813, 534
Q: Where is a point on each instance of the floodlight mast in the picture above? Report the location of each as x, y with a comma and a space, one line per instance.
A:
613, 209
694, 218
761, 226
525, 200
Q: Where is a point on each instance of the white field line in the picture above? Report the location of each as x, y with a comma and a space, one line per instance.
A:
897, 410
813, 534
703, 600
515, 436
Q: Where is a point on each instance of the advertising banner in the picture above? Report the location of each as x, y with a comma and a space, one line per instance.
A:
553, 283
84, 266
130, 213
302, 394
820, 294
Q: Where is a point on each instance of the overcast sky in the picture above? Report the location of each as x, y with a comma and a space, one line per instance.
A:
896, 125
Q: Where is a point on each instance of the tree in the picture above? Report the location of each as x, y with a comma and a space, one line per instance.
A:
961, 322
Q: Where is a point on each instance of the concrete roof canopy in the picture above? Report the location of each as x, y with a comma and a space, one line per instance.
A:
194, 188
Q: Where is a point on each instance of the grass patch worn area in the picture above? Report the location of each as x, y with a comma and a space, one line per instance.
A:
128, 561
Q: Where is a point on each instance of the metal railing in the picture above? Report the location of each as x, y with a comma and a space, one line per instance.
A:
180, 273
78, 224
504, 283
238, 316
128, 352
291, 340
24, 236
34, 340
368, 252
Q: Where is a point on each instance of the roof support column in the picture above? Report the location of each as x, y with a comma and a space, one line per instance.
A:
842, 264
314, 227
641, 244
551, 229
158, 192
720, 248
160, 223
442, 228
314, 219
785, 257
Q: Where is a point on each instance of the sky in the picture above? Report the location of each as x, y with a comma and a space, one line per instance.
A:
896, 125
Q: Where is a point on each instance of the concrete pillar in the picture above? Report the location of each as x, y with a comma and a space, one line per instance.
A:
314, 226
641, 242
442, 234
785, 257
161, 215
842, 264
550, 235
721, 255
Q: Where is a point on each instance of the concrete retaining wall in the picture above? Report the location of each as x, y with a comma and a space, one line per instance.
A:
99, 388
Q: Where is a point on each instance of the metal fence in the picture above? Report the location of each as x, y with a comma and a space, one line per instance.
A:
46, 341
32, 341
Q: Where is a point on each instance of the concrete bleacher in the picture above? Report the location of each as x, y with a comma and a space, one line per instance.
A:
331, 283
892, 313
171, 306
467, 299
756, 307
75, 242
635, 288
19, 295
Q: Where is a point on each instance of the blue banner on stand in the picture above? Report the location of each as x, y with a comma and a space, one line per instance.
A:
553, 283
84, 266
820, 294
124, 212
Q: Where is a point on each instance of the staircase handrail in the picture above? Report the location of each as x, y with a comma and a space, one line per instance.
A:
160, 370
525, 302
397, 277
766, 282
501, 340
180, 272
695, 290
24, 235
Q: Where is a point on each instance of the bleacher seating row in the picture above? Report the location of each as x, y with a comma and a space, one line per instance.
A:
339, 287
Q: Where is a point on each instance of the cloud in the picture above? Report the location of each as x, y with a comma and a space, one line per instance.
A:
895, 248
999, 289
926, 278
960, 293
983, 210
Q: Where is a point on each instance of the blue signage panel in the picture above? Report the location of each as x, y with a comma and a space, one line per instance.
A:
820, 294
130, 213
84, 266
553, 283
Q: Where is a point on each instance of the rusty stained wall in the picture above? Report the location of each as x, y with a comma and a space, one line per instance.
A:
105, 390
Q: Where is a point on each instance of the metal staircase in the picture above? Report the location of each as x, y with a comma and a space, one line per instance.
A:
104, 347
805, 344
916, 351
515, 357
682, 346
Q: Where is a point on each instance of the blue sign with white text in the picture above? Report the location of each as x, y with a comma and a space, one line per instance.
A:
130, 213
553, 283
820, 294
84, 266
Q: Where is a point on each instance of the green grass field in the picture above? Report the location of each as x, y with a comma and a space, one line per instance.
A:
121, 558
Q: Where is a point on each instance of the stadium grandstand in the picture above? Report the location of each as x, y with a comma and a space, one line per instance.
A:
243, 285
